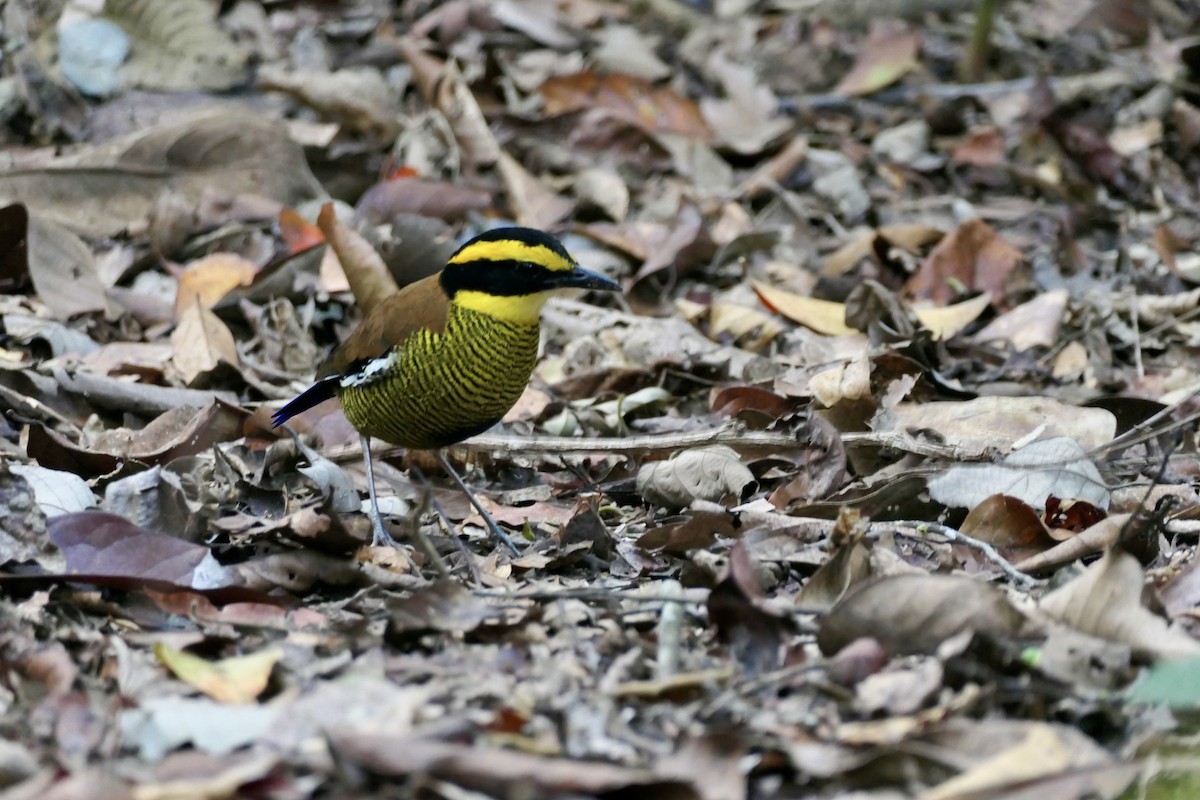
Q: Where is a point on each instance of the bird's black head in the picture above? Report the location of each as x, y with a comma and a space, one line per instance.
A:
514, 262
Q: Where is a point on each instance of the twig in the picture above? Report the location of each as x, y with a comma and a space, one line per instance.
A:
604, 593
670, 632
733, 434
989, 552
1143, 431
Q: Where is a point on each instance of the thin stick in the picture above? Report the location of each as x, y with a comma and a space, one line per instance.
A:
734, 434
989, 552
670, 633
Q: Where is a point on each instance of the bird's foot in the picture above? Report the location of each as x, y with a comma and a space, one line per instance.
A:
379, 536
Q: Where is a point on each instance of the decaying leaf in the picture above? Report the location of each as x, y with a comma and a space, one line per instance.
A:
706, 473
916, 613
1106, 601
1047, 468
202, 342
177, 47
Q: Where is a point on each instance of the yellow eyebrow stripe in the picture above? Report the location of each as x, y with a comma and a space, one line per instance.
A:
512, 250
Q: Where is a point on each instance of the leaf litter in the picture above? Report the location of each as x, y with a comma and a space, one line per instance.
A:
882, 466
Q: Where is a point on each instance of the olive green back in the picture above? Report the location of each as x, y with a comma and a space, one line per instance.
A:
446, 387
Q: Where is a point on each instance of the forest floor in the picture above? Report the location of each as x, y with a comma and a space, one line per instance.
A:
877, 480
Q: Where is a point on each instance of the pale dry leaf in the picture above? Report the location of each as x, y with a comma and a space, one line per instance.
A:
63, 270
995, 424
1036, 323
358, 98
201, 341
1106, 601
1056, 467
847, 381
1041, 755
884, 58
747, 120
538, 21
823, 316
605, 190
235, 680
177, 46
623, 48
105, 188
161, 724
55, 491
916, 613
706, 473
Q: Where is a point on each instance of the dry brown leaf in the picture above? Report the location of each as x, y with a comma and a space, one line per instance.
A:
1013, 527
63, 270
207, 280
532, 202
201, 342
916, 613
633, 100
983, 146
454, 99
973, 255
441, 199
369, 278
359, 98
105, 188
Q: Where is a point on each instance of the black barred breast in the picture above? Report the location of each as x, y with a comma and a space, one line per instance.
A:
441, 388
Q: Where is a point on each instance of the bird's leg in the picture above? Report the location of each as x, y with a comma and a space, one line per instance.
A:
379, 536
500, 535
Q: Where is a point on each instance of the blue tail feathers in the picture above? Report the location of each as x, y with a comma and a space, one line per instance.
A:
319, 392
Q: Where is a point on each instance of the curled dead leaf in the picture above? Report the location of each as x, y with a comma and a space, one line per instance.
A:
706, 473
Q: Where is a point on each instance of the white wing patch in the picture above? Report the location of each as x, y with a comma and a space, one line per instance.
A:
370, 371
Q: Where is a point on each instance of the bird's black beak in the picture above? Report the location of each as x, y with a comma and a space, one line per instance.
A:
580, 278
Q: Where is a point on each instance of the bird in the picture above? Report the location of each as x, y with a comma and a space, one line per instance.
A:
446, 357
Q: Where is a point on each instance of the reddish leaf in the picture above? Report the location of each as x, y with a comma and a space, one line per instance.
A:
99, 543
973, 255
298, 233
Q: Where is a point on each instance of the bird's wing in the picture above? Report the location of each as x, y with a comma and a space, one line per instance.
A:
419, 306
